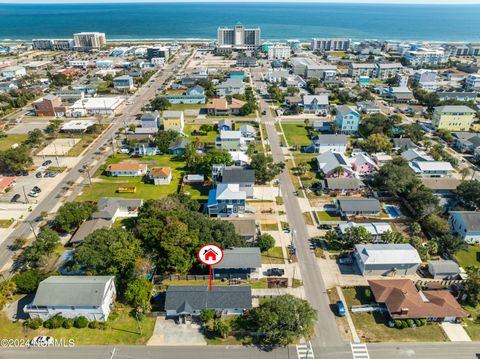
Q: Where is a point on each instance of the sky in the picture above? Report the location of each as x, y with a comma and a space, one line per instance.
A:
433, 2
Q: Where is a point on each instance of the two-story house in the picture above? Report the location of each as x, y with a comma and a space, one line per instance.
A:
325, 143
173, 120
466, 224
244, 177
227, 200
315, 104
348, 119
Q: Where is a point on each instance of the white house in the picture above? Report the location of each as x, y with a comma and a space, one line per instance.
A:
432, 168
466, 224
111, 208
160, 175
325, 143
73, 296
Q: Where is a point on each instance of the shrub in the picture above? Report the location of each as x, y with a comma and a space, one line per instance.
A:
404, 324
94, 324
410, 323
33, 323
398, 324
68, 323
207, 315
54, 322
113, 316
368, 294
423, 321
27, 282
80, 322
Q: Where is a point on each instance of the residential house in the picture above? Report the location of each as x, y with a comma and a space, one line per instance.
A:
334, 164
404, 301
245, 178
225, 125
358, 206
173, 120
111, 208
246, 61
196, 90
388, 70
127, 169
231, 86
322, 126
227, 200
444, 269
381, 158
441, 186
457, 95
415, 154
238, 263
123, 83
49, 105
221, 107
160, 175
185, 99
150, 123
72, 297
178, 147
363, 164
189, 301
466, 224
7, 183
88, 227
240, 158
403, 143
453, 118
248, 131
230, 140
368, 107
244, 227
472, 82
376, 229
344, 186
315, 104
144, 149
348, 119
386, 259
13, 72
466, 141
432, 168
325, 143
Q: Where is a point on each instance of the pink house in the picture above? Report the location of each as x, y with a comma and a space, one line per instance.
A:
362, 164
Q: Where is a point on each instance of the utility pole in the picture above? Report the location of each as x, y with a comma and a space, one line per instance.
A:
33, 229
25, 194
88, 174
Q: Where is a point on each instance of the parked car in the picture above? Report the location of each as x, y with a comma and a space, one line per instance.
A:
15, 198
42, 341
341, 308
275, 272
325, 226
295, 193
124, 151
39, 175
47, 162
287, 228
264, 113
36, 189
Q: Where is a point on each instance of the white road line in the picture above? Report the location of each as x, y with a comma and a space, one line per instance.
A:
304, 351
359, 351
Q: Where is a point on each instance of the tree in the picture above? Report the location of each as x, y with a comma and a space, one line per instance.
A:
397, 177
207, 315
108, 252
393, 237
423, 201
265, 168
414, 132
203, 164
35, 138
415, 229
265, 242
427, 98
292, 91
358, 235
276, 93
138, 293
16, 159
163, 139
450, 244
376, 142
338, 171
59, 80
302, 167
331, 236
222, 327
469, 193
27, 281
160, 104
436, 224
44, 245
471, 285
464, 172
282, 320
71, 214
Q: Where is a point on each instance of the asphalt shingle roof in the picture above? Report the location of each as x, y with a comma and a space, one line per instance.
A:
248, 257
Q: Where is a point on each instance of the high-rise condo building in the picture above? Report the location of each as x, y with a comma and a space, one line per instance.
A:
238, 37
89, 40
330, 44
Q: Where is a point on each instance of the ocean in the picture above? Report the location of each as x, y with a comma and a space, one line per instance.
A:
280, 21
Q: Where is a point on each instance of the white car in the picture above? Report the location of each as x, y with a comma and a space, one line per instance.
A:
41, 341
124, 151
33, 194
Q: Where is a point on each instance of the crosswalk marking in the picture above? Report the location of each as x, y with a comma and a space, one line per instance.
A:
359, 351
304, 351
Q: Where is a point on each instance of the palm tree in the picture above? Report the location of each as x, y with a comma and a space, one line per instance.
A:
464, 172
339, 171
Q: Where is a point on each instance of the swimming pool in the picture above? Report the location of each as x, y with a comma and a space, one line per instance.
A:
393, 211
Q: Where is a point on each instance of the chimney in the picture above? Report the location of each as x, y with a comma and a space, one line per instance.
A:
404, 311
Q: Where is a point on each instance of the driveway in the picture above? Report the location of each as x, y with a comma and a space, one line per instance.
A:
167, 332
455, 332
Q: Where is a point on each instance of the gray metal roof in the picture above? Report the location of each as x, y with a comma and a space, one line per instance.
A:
444, 266
359, 204
238, 175
454, 108
180, 143
75, 291
343, 183
345, 110
185, 299
471, 220
388, 254
108, 206
331, 139
248, 257
88, 227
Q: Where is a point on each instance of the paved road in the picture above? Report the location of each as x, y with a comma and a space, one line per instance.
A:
327, 337
138, 100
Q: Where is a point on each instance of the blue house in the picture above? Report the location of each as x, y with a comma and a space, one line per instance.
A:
225, 125
178, 147
466, 224
347, 119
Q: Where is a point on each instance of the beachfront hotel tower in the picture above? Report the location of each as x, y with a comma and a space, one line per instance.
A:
238, 37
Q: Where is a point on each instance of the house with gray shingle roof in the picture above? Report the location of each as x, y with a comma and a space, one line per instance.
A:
187, 301
466, 224
73, 296
238, 263
111, 208
358, 206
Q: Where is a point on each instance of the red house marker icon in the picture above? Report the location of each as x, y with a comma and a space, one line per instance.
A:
210, 255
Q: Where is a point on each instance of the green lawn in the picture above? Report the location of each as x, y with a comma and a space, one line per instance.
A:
6, 223
372, 327
273, 256
269, 226
208, 138
327, 216
7, 142
469, 257
296, 134
197, 192
307, 218
121, 331
107, 186
472, 325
